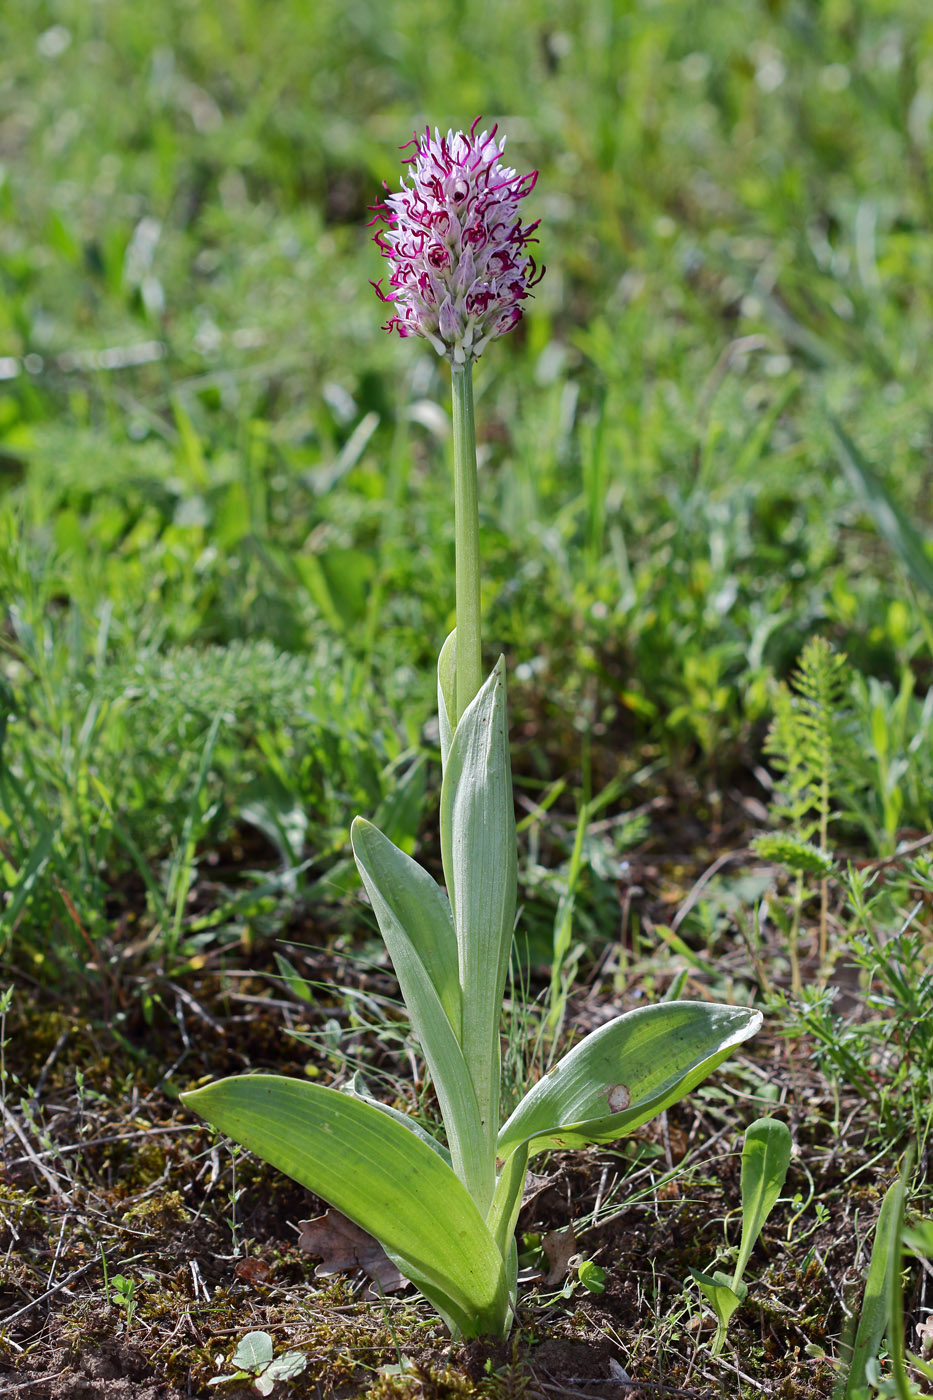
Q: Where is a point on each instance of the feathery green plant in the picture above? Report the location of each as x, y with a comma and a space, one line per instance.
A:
804, 742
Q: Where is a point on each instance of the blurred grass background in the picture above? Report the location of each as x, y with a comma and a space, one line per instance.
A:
225, 526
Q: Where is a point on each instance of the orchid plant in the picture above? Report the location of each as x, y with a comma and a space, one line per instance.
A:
445, 1212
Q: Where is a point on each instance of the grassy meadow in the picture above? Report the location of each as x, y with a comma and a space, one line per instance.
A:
226, 569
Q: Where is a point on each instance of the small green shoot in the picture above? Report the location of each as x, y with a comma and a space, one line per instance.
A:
6, 1001
123, 1295
591, 1276
119, 1289
765, 1159
256, 1362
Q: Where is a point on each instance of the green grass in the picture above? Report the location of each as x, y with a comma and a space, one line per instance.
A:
226, 544
734, 213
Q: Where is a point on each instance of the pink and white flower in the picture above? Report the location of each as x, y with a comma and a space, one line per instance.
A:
455, 243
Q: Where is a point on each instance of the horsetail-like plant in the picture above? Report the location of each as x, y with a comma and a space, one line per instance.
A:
446, 1212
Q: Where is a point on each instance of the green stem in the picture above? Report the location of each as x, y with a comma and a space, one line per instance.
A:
466, 532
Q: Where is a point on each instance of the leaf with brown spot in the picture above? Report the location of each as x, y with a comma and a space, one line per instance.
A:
646, 1059
619, 1098
343, 1247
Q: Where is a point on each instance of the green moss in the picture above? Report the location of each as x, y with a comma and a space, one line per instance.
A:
161, 1211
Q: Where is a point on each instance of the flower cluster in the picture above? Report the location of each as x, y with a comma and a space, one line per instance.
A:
456, 245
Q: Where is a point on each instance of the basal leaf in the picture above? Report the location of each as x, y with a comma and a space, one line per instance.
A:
411, 904
287, 1366
415, 921
722, 1299
625, 1073
478, 851
379, 1175
765, 1159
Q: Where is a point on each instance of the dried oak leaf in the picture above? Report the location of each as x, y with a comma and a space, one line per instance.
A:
343, 1247
559, 1247
252, 1271
535, 1184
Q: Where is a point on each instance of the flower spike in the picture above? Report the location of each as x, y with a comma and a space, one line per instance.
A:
455, 243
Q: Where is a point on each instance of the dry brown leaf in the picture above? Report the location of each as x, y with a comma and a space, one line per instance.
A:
559, 1247
252, 1271
535, 1184
343, 1247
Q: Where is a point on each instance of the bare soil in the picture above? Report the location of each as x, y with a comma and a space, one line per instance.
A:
105, 1176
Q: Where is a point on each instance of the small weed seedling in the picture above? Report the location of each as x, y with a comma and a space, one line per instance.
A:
120, 1290
446, 1213
123, 1294
765, 1159
255, 1362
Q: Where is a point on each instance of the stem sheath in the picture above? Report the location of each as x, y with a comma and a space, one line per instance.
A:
466, 531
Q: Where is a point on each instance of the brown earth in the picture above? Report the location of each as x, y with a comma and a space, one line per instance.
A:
105, 1175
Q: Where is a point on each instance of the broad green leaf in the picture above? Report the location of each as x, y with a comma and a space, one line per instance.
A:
507, 1199
625, 1073
358, 1089
414, 917
380, 1176
286, 1367
441, 1303
478, 851
407, 900
882, 1279
765, 1159
254, 1352
591, 1276
447, 694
